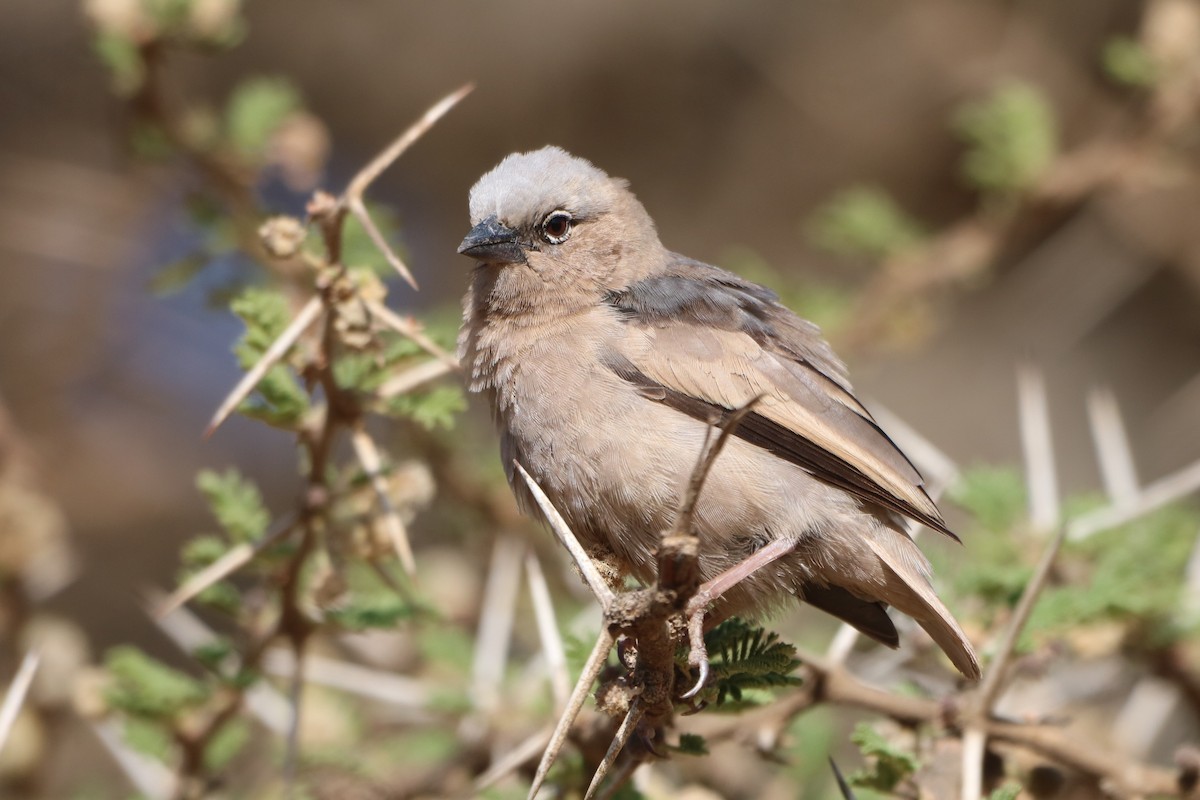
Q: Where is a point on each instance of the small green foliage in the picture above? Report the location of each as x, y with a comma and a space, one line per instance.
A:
432, 408
266, 315
144, 687
224, 746
1008, 791
279, 399
889, 764
1011, 138
236, 503
448, 647
863, 222
1135, 574
744, 658
995, 496
691, 744
148, 737
1128, 63
373, 611
212, 654
124, 62
425, 747
256, 110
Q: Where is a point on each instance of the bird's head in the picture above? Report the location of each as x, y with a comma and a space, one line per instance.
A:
559, 217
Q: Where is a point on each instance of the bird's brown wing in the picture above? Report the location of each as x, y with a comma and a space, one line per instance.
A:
706, 342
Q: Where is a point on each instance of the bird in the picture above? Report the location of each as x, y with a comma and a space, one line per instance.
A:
605, 358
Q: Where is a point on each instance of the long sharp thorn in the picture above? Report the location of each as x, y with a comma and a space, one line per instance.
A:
1038, 445
359, 210
411, 330
16, 694
223, 567
552, 646
368, 456
412, 378
307, 316
591, 669
563, 531
628, 725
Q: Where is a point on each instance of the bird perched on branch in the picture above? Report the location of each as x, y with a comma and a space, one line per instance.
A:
606, 357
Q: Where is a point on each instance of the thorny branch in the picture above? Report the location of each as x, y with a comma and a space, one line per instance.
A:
340, 414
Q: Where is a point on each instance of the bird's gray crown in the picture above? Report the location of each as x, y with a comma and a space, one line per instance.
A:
524, 187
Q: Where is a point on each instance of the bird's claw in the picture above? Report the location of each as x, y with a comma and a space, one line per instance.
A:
700, 681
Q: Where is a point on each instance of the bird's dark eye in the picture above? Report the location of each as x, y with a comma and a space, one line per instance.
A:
556, 227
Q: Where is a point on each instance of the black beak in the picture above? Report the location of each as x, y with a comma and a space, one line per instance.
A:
493, 243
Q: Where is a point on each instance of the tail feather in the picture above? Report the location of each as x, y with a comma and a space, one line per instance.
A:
911, 593
867, 616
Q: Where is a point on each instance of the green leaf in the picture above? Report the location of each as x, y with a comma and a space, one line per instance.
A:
863, 222
1008, 791
236, 503
224, 746
147, 737
144, 687
691, 744
123, 60
432, 408
1011, 138
743, 659
256, 109
889, 764
266, 315
375, 611
277, 400
212, 654
1128, 63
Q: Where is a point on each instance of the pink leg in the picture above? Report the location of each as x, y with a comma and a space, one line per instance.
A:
708, 592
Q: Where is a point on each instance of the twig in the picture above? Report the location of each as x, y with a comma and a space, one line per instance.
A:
566, 537
552, 645
15, 698
591, 669
307, 316
224, 566
708, 457
372, 464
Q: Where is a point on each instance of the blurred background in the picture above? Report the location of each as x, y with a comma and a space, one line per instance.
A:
741, 127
